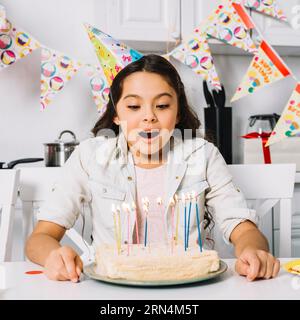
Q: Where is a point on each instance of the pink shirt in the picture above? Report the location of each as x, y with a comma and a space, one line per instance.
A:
150, 183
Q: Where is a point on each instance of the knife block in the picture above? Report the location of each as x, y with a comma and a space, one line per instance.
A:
218, 129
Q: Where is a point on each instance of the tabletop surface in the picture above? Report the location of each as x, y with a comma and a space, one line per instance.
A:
19, 285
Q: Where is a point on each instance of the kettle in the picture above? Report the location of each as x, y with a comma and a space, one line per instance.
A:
262, 123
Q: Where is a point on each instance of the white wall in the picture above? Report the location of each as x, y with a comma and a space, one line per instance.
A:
58, 25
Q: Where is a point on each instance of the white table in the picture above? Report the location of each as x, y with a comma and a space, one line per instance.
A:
228, 286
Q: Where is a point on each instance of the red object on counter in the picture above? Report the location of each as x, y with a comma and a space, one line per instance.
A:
264, 136
32, 272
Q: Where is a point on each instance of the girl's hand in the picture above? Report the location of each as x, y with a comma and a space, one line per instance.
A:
255, 264
63, 264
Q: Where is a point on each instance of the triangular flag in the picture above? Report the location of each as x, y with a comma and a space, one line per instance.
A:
112, 54
14, 45
99, 87
289, 123
56, 70
230, 23
3, 24
269, 7
196, 54
266, 68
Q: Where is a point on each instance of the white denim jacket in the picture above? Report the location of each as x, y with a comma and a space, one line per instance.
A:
101, 172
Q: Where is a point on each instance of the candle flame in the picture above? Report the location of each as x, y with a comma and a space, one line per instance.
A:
113, 208
194, 195
159, 201
176, 197
126, 207
145, 208
133, 205
172, 202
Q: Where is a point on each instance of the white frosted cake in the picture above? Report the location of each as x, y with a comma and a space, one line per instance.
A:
155, 263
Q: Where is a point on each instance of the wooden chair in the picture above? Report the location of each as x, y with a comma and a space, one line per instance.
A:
35, 185
9, 180
266, 185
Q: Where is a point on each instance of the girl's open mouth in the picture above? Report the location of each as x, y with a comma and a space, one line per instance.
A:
149, 134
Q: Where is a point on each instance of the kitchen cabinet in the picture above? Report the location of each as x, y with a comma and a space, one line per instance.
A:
282, 35
279, 33
158, 25
143, 22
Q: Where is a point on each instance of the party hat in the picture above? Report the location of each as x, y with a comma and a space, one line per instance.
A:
112, 54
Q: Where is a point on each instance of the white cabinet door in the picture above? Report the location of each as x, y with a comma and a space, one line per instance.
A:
144, 20
279, 33
193, 12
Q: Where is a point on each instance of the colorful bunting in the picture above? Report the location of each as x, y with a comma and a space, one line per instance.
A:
289, 123
112, 54
230, 23
2, 18
196, 54
14, 45
56, 70
99, 87
266, 68
269, 7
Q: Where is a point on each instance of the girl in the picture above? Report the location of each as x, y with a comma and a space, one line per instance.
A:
147, 145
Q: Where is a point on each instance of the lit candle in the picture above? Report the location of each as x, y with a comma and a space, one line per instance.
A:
189, 220
119, 228
184, 203
126, 208
177, 217
172, 205
145, 208
145, 202
136, 223
198, 222
160, 203
113, 209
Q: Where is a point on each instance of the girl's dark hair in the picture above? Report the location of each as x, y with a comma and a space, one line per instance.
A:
188, 119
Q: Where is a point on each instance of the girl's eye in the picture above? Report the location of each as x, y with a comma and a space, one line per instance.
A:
134, 107
162, 106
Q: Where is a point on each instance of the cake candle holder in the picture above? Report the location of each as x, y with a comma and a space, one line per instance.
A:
133, 206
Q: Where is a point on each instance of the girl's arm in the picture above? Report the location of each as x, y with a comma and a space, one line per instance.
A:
252, 251
43, 247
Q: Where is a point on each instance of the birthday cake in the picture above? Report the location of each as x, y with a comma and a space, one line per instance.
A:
155, 262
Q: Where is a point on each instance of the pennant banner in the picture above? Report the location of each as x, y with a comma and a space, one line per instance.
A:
289, 123
196, 54
112, 54
2, 18
56, 70
266, 68
268, 7
99, 87
14, 45
230, 23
